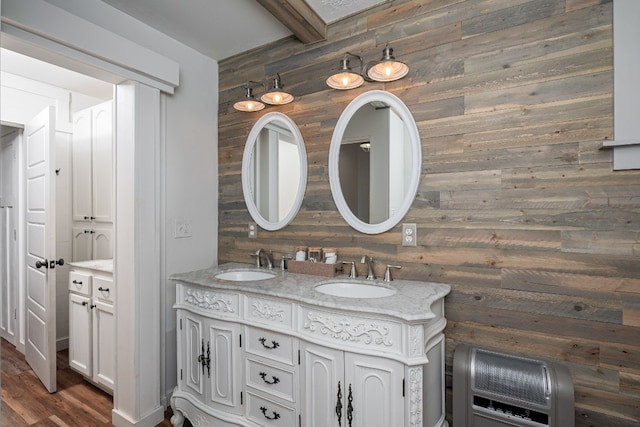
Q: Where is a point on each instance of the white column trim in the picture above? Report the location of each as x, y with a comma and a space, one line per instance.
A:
137, 400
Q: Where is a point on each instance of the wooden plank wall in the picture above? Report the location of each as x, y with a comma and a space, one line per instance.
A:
518, 208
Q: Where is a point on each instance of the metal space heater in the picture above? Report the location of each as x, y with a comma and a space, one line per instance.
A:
492, 389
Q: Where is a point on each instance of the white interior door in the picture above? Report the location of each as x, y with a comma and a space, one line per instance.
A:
40, 342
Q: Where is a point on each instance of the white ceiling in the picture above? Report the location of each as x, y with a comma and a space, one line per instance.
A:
223, 28
34, 69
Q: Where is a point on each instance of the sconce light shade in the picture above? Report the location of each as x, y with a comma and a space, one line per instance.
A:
345, 78
276, 96
248, 103
388, 68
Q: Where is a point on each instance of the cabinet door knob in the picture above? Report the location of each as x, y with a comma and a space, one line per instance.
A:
274, 344
40, 264
84, 303
92, 306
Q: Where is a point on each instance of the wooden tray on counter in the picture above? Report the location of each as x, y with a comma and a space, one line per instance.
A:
314, 268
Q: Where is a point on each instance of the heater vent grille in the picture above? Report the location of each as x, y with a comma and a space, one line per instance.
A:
511, 376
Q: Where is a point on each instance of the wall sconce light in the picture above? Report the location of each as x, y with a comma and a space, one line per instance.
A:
248, 102
346, 78
276, 96
387, 69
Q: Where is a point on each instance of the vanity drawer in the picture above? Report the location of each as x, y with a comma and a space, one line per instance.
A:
80, 283
271, 345
103, 288
270, 379
268, 413
269, 311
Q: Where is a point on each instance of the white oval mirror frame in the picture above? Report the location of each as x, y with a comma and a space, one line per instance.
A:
286, 122
334, 161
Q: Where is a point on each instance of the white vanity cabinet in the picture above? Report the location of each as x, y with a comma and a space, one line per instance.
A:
248, 356
91, 322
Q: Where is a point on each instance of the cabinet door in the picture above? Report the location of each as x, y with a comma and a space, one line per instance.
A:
223, 372
102, 162
376, 387
102, 243
191, 347
81, 164
103, 344
80, 347
82, 243
323, 388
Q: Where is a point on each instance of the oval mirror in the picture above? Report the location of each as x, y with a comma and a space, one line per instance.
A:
375, 161
274, 171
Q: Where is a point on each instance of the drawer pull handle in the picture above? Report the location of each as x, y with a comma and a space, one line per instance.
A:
274, 344
78, 283
264, 412
101, 289
275, 380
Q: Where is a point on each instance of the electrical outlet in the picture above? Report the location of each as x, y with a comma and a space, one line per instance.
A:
182, 228
253, 230
409, 235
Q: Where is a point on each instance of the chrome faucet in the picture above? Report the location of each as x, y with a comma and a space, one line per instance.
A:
261, 253
387, 272
366, 259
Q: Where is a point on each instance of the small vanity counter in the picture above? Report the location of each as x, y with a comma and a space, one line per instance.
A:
276, 351
101, 265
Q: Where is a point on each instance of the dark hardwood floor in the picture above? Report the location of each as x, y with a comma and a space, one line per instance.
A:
25, 401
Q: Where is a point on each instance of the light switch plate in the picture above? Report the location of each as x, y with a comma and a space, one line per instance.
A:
182, 228
409, 235
253, 230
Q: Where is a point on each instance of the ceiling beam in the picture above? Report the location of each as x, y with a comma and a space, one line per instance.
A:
298, 17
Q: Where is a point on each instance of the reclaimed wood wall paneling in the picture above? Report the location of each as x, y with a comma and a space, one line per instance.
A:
518, 208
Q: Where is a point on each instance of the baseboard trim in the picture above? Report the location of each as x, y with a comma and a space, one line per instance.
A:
152, 419
62, 344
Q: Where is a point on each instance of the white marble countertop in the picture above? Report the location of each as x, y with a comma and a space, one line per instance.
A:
104, 265
411, 302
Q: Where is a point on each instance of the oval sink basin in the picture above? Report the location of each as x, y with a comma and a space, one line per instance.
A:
244, 275
354, 290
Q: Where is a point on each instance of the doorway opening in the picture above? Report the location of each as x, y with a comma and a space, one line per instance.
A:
28, 86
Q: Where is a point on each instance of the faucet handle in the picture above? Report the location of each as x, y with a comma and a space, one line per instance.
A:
353, 273
283, 262
257, 257
387, 272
